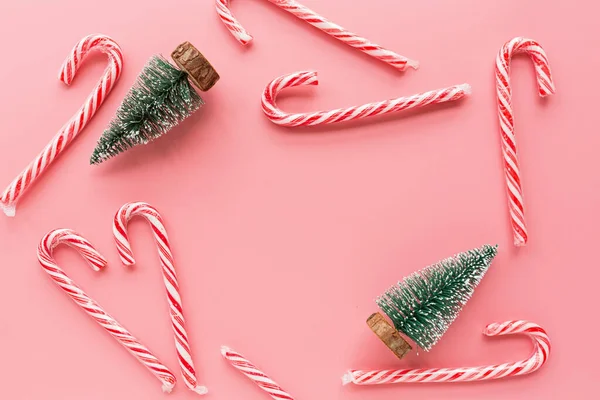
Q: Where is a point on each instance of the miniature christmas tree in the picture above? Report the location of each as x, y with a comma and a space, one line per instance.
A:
423, 305
161, 98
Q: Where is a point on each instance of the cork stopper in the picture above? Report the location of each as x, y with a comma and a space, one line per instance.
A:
199, 70
388, 335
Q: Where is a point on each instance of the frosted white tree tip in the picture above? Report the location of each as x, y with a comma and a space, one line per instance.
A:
9, 209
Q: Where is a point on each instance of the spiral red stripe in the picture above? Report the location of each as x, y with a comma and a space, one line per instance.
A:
255, 375
182, 346
304, 78
541, 352
97, 262
505, 115
71, 129
351, 39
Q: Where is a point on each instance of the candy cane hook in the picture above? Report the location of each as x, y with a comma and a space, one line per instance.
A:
507, 127
97, 262
541, 352
121, 220
76, 124
255, 374
304, 78
389, 57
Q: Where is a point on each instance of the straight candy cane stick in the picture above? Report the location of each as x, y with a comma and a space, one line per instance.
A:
125, 213
75, 125
541, 352
97, 262
255, 374
304, 78
307, 15
507, 126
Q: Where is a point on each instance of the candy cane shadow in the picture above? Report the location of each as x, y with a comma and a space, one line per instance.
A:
187, 134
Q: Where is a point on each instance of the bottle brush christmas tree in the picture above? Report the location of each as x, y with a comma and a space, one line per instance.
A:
161, 98
423, 305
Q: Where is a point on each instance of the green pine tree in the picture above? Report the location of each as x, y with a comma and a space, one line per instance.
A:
425, 303
161, 98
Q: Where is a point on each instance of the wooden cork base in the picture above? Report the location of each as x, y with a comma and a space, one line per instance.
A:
199, 70
388, 335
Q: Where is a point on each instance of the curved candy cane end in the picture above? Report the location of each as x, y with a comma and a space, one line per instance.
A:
62, 75
200, 390
241, 36
126, 257
97, 264
494, 328
105, 43
232, 25
9, 209
312, 78
347, 378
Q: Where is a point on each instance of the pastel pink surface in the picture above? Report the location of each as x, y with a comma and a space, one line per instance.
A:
283, 237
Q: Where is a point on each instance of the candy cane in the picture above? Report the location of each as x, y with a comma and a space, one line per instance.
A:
97, 262
389, 57
505, 114
305, 78
121, 220
76, 124
541, 351
255, 375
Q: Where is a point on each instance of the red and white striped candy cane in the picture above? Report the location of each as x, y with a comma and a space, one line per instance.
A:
505, 114
541, 352
304, 78
374, 50
97, 262
121, 220
76, 124
255, 375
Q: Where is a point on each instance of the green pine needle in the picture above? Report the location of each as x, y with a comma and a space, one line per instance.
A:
161, 98
425, 303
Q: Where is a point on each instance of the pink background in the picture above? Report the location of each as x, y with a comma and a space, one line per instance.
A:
283, 238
